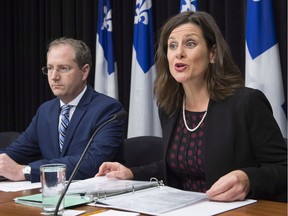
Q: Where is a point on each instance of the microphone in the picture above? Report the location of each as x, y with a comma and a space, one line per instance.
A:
118, 116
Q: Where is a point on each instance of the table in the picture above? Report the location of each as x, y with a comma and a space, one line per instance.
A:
261, 208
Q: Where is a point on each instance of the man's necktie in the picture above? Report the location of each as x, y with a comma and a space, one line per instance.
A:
63, 124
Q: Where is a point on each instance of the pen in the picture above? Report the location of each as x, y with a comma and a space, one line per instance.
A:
95, 212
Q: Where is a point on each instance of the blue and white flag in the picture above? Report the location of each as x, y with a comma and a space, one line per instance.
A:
263, 69
189, 5
143, 113
105, 67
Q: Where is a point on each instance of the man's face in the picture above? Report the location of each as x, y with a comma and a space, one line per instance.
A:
65, 85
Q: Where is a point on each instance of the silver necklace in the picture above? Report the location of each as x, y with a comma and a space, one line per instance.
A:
184, 118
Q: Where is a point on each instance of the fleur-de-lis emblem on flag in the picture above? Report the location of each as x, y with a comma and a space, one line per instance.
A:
107, 20
189, 5
141, 11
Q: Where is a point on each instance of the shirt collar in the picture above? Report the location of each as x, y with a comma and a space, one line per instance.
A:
76, 100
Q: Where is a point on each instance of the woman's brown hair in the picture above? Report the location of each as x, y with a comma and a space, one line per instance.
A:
223, 77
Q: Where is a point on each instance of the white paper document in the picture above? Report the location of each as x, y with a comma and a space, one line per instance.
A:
152, 198
10, 186
71, 212
152, 201
208, 208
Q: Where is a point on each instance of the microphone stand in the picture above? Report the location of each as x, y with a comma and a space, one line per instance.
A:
116, 116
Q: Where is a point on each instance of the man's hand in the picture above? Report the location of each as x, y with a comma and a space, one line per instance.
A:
231, 187
10, 169
115, 170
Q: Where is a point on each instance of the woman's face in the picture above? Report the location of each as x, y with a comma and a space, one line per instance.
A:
187, 53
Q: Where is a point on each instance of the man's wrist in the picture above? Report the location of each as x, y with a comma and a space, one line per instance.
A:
26, 170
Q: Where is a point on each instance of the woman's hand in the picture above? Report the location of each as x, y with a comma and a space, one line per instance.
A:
115, 170
231, 187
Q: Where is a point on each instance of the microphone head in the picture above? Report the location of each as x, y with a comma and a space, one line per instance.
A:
122, 115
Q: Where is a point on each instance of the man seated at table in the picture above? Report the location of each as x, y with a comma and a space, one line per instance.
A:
49, 138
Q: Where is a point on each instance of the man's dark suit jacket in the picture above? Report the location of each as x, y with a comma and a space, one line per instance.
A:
39, 144
241, 133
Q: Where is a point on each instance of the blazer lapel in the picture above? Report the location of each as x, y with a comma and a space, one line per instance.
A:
80, 110
168, 125
53, 122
